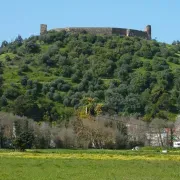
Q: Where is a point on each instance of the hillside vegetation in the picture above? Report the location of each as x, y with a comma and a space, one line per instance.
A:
48, 77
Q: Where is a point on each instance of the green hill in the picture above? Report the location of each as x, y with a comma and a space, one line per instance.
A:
47, 77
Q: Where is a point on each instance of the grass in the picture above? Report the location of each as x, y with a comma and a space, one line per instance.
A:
90, 164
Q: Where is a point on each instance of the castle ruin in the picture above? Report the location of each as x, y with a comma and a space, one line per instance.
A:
146, 34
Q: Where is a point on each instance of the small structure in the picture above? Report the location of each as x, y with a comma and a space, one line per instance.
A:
176, 144
136, 148
164, 151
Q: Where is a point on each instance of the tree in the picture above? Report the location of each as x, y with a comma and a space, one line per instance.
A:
57, 97
132, 103
146, 51
53, 50
7, 57
159, 64
1, 80
4, 44
139, 82
18, 40
24, 140
75, 78
157, 127
3, 100
23, 135
12, 92
177, 129
114, 100
26, 106
67, 71
32, 47
1, 68
123, 72
125, 59
147, 66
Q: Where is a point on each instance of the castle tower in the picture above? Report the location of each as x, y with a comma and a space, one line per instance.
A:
128, 32
43, 29
148, 30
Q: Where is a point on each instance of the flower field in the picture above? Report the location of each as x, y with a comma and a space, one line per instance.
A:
92, 164
92, 156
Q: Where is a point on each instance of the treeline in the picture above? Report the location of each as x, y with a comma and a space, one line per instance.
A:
46, 77
22, 133
101, 132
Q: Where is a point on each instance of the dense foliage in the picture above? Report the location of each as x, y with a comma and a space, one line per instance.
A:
47, 77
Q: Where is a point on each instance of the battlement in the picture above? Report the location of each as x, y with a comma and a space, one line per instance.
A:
104, 30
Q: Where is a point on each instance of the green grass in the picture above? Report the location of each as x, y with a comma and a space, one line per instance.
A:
75, 165
15, 169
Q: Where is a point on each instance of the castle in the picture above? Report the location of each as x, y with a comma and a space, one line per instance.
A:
103, 30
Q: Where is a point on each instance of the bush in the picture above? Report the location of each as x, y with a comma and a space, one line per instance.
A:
7, 58
65, 87
24, 81
53, 50
66, 101
159, 64
24, 68
12, 93
32, 47
57, 97
3, 100
147, 66
75, 78
1, 80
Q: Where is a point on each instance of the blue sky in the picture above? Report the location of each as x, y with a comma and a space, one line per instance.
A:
25, 16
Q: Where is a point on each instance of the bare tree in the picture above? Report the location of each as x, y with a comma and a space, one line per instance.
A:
177, 129
157, 132
136, 130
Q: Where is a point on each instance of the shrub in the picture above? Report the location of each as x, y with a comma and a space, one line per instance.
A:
32, 47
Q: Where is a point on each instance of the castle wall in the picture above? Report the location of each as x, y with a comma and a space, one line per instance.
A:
106, 31
119, 31
129, 32
142, 34
58, 29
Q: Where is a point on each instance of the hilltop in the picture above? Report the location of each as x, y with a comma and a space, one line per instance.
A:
50, 76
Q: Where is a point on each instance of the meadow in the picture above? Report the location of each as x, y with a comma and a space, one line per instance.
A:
91, 164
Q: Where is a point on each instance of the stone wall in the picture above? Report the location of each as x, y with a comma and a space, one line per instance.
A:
119, 31
106, 31
142, 34
43, 29
148, 30
129, 32
93, 30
